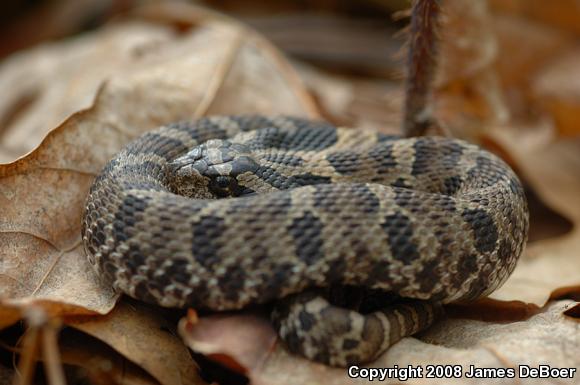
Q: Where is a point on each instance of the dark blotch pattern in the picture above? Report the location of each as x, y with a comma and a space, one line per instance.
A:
345, 162
381, 138
232, 282
336, 268
349, 344
399, 229
207, 233
445, 204
382, 158
515, 186
467, 264
135, 258
284, 159
424, 156
429, 155
486, 172
307, 320
177, 270
308, 179
428, 276
302, 140
366, 200
128, 216
452, 184
506, 249
307, 233
404, 197
272, 177
360, 196
282, 182
314, 136
421, 312
452, 153
277, 280
484, 229
293, 342
157, 144
201, 130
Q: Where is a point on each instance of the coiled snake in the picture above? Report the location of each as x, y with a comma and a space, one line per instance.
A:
309, 210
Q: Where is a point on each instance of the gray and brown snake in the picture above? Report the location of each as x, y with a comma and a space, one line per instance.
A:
356, 237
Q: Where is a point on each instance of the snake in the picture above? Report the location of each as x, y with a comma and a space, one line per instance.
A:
355, 238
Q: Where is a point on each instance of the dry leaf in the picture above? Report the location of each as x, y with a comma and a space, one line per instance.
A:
336, 43
469, 97
552, 167
241, 342
468, 44
98, 364
215, 68
557, 88
547, 338
525, 47
563, 14
50, 82
355, 103
137, 333
184, 62
209, 66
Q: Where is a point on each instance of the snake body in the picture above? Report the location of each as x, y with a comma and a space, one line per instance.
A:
230, 211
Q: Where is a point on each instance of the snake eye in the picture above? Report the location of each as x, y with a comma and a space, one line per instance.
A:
222, 181
224, 186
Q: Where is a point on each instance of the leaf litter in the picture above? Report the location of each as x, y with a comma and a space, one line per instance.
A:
175, 62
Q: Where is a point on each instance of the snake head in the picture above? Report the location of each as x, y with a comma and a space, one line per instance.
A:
211, 170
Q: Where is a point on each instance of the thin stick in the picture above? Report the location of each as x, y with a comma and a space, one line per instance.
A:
422, 61
28, 357
52, 361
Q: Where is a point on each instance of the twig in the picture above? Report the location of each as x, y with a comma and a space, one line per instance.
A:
422, 62
28, 357
42, 334
51, 355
